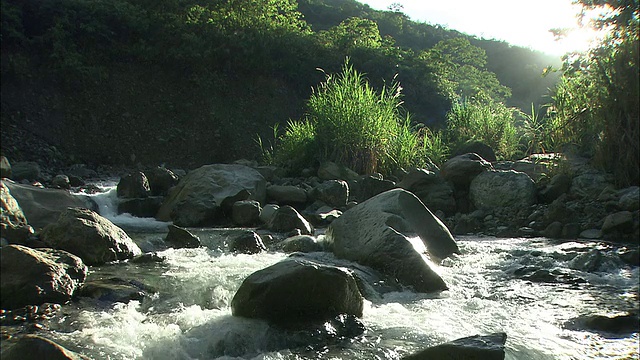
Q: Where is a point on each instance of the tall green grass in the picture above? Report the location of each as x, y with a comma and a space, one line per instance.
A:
349, 122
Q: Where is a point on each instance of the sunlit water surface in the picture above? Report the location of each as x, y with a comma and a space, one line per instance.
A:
188, 315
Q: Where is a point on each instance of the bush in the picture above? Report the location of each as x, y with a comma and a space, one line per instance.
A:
349, 123
484, 120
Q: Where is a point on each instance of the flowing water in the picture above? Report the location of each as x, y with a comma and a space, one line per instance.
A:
187, 315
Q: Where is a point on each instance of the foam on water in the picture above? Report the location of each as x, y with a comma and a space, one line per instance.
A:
190, 317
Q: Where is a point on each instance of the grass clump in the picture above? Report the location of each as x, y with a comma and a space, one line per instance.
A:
350, 123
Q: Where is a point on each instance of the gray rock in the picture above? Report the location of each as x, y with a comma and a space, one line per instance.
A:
34, 347
161, 180
553, 230
368, 187
478, 147
181, 238
81, 171
286, 194
26, 170
90, 236
5, 168
332, 192
61, 182
461, 169
113, 290
34, 277
13, 223
201, 196
296, 291
487, 347
247, 243
434, 191
558, 185
267, 212
629, 198
591, 234
134, 185
44, 206
301, 243
286, 219
502, 189
394, 232
589, 185
332, 171
570, 231
621, 220
246, 212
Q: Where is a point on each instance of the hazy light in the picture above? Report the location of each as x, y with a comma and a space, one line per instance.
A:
521, 23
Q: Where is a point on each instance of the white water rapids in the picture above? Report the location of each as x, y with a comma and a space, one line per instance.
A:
189, 317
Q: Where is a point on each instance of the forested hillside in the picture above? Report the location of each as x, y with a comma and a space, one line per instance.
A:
190, 82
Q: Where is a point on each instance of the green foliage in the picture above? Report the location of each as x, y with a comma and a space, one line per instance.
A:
348, 122
597, 102
484, 120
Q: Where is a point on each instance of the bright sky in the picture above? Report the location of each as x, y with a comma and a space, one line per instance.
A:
518, 22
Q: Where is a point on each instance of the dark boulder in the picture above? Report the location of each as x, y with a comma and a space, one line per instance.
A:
296, 292
487, 347
181, 238
141, 207
161, 180
34, 347
287, 219
134, 185
13, 224
248, 242
462, 169
246, 212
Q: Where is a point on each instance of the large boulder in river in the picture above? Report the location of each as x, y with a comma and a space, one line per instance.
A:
500, 189
431, 189
44, 206
34, 277
298, 291
13, 223
161, 180
134, 185
395, 233
487, 347
286, 194
181, 238
204, 193
286, 219
93, 238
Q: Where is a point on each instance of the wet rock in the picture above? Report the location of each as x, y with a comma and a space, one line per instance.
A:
630, 256
93, 238
13, 223
246, 212
141, 207
34, 277
478, 347
301, 243
570, 231
34, 347
134, 185
286, 194
5, 168
267, 212
61, 182
26, 170
247, 242
205, 193
147, 258
332, 171
295, 292
161, 180
324, 215
181, 238
619, 324
394, 233
113, 290
81, 171
536, 275
461, 169
44, 206
334, 193
286, 219
591, 234
629, 198
502, 189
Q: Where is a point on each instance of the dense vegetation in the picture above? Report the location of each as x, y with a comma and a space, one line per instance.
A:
121, 80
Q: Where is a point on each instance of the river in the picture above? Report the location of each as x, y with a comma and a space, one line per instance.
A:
187, 313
